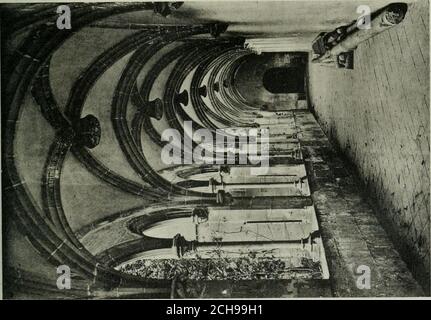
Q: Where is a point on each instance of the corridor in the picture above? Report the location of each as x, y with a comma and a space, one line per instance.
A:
190, 150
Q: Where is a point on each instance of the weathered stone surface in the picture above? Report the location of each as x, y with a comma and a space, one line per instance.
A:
351, 232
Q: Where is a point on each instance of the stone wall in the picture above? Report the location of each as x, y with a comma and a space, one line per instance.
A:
353, 238
378, 115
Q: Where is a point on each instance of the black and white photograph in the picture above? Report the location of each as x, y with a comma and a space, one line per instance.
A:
215, 150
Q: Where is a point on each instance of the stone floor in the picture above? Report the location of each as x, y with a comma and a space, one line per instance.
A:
354, 240
378, 115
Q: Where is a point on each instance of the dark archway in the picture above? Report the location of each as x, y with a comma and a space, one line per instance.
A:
284, 80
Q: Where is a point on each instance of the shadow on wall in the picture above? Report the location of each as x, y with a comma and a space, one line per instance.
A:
273, 80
